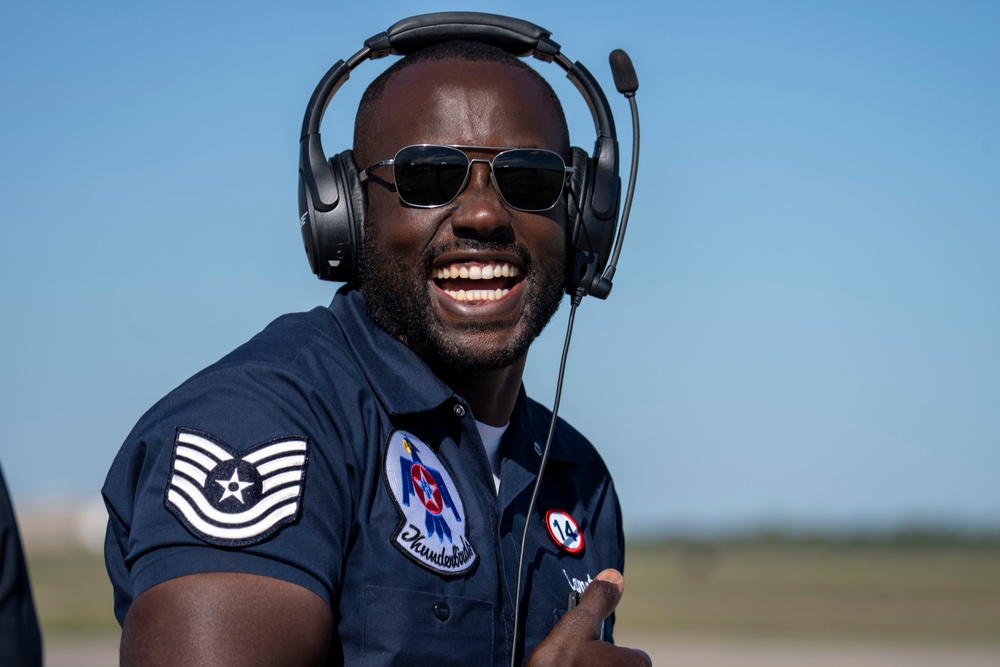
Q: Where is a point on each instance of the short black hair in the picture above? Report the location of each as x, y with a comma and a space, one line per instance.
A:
451, 50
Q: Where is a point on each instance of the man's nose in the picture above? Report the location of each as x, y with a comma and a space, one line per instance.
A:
479, 210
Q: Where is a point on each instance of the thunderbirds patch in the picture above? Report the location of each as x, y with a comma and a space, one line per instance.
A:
434, 531
232, 499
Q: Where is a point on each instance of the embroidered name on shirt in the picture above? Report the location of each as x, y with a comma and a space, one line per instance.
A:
229, 498
576, 585
433, 531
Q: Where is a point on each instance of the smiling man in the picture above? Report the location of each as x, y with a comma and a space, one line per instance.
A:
350, 486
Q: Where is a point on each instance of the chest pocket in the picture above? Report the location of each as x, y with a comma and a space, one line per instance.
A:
405, 627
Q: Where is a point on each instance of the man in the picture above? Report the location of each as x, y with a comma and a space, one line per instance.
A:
378, 455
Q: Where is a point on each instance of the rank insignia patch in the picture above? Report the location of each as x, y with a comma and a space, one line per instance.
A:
235, 499
433, 531
564, 531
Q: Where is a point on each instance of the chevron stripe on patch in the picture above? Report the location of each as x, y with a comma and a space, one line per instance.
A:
229, 498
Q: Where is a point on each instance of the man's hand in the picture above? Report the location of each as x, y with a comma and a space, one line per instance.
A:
575, 640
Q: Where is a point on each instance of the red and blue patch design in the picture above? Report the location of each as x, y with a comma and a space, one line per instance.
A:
433, 531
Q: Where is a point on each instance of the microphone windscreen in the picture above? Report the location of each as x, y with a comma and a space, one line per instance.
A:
623, 72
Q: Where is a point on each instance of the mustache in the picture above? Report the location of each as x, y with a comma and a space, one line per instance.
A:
481, 245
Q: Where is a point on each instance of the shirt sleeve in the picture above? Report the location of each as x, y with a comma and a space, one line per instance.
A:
235, 471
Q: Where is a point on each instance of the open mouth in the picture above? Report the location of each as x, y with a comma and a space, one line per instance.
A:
476, 281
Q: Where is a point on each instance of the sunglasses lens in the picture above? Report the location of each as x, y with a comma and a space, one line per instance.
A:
429, 175
529, 179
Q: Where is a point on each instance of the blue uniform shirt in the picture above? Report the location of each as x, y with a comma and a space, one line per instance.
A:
326, 453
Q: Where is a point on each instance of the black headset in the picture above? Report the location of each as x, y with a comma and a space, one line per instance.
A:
332, 200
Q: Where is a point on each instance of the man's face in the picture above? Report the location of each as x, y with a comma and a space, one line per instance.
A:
426, 270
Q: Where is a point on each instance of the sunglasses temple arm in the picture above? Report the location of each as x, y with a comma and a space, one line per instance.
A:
363, 174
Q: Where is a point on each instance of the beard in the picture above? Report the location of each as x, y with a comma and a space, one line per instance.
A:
397, 297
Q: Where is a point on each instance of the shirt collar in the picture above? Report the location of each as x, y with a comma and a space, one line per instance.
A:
402, 381
529, 427
405, 384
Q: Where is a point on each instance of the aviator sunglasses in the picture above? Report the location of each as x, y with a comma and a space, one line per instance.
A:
431, 175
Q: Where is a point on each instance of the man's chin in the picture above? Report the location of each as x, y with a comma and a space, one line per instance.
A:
472, 351
463, 335
490, 329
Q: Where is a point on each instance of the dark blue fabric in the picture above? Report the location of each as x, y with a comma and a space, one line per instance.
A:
20, 638
335, 378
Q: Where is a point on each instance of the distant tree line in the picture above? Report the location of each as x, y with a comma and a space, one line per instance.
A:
903, 537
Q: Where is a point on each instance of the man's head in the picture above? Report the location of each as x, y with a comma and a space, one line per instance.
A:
427, 271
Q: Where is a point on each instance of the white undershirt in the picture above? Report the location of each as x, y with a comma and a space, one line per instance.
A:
491, 441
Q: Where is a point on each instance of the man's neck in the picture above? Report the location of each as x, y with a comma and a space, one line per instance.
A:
490, 394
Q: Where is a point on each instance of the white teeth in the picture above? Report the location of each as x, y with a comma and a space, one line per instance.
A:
477, 272
477, 294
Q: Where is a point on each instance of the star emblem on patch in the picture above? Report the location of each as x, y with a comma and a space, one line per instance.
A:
233, 487
426, 488
231, 498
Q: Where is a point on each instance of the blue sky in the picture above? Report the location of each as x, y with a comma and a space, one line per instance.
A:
805, 324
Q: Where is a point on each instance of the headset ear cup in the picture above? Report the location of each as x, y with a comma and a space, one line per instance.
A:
306, 226
577, 189
576, 206
335, 232
355, 193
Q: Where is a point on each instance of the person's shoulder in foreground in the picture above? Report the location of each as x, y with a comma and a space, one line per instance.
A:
20, 637
351, 486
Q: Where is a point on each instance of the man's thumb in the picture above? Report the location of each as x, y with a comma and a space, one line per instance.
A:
603, 594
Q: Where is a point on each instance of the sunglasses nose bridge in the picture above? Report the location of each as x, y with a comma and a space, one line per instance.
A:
471, 173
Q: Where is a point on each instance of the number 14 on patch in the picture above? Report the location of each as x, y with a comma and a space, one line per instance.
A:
564, 531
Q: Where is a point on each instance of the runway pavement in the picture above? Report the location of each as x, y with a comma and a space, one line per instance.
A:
678, 652
728, 652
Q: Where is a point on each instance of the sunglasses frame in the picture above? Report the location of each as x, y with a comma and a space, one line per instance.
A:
463, 148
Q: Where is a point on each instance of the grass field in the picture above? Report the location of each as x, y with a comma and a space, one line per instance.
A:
853, 592
72, 594
795, 591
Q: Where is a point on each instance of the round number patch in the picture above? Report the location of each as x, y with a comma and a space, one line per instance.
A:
564, 531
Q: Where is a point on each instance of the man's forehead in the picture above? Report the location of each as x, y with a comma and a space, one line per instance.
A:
428, 76
463, 101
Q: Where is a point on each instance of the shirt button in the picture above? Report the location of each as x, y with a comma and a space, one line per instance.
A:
442, 611
538, 449
458, 410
